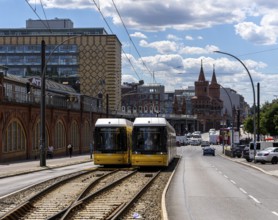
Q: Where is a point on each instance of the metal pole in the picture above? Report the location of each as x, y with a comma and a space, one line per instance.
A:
42, 106
91, 133
42, 141
107, 105
254, 96
258, 111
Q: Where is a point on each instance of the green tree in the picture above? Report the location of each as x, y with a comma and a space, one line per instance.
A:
269, 119
248, 125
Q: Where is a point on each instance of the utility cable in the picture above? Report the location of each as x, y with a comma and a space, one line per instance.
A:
38, 16
113, 33
144, 64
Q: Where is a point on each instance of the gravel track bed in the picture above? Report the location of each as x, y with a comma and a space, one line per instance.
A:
105, 203
13, 200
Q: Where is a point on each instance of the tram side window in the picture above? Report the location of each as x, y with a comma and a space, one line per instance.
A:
140, 141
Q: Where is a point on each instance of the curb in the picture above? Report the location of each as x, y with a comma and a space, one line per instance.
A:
249, 165
163, 201
6, 175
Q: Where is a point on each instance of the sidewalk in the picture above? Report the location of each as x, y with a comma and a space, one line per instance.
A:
268, 168
23, 167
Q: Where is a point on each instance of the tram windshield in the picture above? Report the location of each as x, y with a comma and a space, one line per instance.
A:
149, 139
110, 139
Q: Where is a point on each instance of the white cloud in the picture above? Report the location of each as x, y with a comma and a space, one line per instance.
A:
198, 50
138, 35
161, 46
188, 37
257, 34
173, 37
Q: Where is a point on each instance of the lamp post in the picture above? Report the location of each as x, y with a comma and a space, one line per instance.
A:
91, 132
42, 105
254, 96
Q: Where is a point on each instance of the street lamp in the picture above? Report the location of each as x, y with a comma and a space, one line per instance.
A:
254, 96
42, 105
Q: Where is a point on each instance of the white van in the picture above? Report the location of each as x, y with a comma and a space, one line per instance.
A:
260, 145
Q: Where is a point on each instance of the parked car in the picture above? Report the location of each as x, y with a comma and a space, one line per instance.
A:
237, 150
245, 154
269, 154
208, 150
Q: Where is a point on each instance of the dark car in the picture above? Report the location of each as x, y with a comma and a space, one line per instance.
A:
208, 150
237, 150
245, 154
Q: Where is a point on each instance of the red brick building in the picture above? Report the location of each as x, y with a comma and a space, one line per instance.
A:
70, 118
206, 103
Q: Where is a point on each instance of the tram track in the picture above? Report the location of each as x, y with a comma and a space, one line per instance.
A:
108, 193
113, 200
57, 197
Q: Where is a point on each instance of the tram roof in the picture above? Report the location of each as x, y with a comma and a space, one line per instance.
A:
150, 121
110, 122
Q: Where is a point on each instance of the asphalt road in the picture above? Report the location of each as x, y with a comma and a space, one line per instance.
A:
15, 183
208, 187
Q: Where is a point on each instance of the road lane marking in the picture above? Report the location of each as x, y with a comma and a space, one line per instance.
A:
225, 176
257, 201
242, 190
275, 213
233, 181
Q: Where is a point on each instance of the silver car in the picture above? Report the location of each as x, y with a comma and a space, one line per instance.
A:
269, 154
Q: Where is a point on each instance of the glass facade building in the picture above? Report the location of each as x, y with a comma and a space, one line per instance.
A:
88, 59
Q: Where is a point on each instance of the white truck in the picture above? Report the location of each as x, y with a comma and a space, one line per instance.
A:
214, 137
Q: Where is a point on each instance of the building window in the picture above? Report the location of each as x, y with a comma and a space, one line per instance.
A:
74, 134
60, 135
15, 138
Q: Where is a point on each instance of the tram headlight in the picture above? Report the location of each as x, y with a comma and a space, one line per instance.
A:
161, 153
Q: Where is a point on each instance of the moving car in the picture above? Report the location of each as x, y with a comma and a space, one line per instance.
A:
205, 143
208, 150
269, 154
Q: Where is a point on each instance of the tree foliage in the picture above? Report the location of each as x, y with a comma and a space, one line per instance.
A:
268, 120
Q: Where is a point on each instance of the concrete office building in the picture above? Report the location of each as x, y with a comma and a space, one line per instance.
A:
89, 59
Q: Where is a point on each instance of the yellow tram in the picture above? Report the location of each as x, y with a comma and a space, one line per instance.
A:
153, 142
112, 141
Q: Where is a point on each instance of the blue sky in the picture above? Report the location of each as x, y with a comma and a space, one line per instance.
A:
171, 37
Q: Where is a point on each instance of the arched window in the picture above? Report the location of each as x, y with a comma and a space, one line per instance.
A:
14, 138
74, 134
36, 137
145, 108
60, 135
